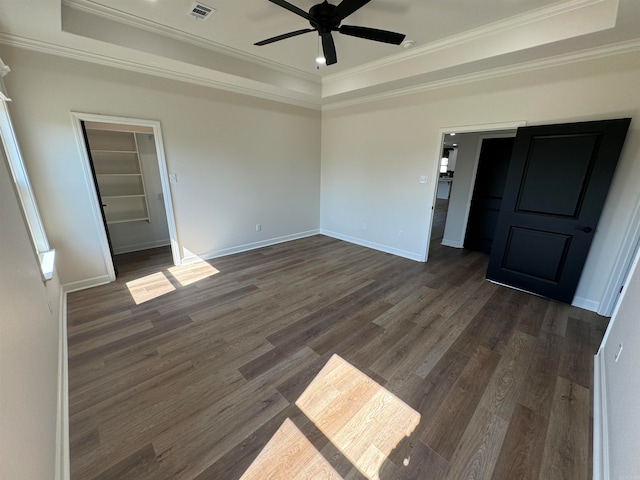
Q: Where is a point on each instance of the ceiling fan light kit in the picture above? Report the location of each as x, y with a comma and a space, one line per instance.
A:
325, 18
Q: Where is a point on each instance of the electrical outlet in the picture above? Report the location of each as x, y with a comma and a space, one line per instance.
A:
173, 178
258, 227
50, 307
400, 233
364, 226
423, 179
332, 219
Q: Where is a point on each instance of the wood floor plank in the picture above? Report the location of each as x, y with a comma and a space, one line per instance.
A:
566, 449
477, 452
521, 456
576, 362
540, 380
451, 419
505, 384
195, 382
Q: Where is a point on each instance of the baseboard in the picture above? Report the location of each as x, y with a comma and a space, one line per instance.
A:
600, 430
586, 304
141, 246
63, 471
84, 284
450, 243
374, 246
248, 246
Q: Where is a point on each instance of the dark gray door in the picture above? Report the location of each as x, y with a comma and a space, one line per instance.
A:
556, 186
493, 165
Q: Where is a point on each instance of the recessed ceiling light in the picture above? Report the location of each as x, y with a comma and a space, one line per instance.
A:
455, 144
408, 44
452, 134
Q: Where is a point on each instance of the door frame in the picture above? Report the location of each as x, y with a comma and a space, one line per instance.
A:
622, 265
486, 127
79, 117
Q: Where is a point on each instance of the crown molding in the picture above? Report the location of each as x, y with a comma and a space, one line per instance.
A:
549, 62
75, 54
467, 37
89, 7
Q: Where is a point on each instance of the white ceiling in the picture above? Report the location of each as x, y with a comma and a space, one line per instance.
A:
240, 23
454, 39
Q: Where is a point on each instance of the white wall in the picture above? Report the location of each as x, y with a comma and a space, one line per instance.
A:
373, 154
133, 236
621, 386
239, 160
29, 339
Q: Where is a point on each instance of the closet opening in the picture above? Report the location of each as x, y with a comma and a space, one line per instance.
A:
126, 168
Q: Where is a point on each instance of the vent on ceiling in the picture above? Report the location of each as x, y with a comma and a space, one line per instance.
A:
200, 11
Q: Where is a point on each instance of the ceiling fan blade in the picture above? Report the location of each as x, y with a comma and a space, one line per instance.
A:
329, 48
372, 34
292, 8
347, 7
283, 36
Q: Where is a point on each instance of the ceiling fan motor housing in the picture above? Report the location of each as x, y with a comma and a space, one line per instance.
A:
323, 18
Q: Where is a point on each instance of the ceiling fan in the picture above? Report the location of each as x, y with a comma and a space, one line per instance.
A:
326, 18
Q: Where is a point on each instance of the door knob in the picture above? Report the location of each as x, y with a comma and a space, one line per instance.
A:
585, 229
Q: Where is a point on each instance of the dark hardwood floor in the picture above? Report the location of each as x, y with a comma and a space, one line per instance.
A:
194, 383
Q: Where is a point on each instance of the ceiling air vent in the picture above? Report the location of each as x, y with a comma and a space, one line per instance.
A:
200, 11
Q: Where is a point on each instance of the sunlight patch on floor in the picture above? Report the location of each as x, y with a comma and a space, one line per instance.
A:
193, 272
149, 287
290, 456
362, 419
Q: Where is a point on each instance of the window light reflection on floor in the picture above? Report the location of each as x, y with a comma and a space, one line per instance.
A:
363, 420
149, 287
193, 272
155, 285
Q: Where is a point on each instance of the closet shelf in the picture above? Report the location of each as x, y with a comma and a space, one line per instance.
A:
119, 175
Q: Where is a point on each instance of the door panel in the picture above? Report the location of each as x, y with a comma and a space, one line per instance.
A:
546, 188
493, 165
556, 186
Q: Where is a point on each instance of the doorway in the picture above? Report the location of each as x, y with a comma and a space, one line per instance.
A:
486, 201
125, 168
457, 220
463, 178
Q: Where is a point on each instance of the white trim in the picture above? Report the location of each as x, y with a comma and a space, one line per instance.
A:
141, 246
323, 104
88, 283
470, 36
93, 195
486, 127
622, 264
153, 27
600, 425
21, 181
375, 246
63, 469
524, 67
585, 303
163, 72
247, 246
164, 180
449, 243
